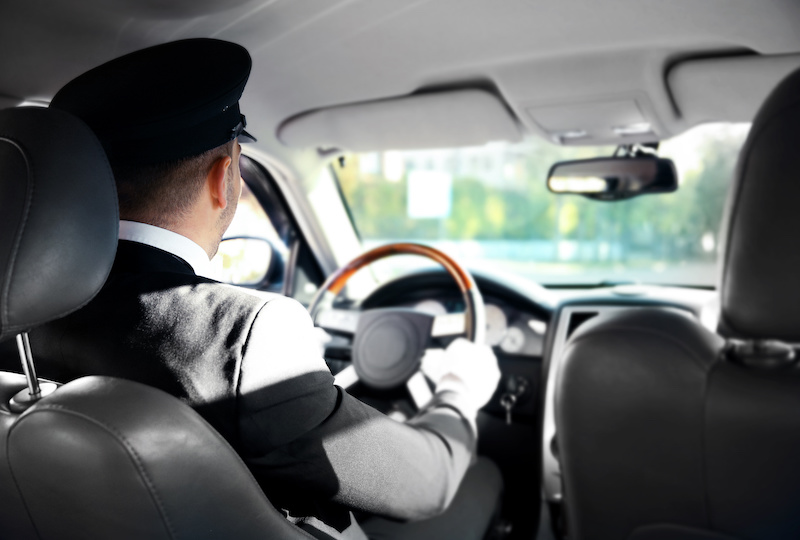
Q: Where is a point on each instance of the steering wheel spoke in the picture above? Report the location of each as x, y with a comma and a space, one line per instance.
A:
450, 324
346, 378
420, 392
342, 321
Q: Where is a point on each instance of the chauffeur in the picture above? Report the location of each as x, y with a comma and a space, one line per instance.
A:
168, 117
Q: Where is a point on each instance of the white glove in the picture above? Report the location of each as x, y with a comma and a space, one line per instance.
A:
321, 339
466, 368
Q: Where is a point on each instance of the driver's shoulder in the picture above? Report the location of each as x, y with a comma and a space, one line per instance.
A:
260, 299
252, 295
263, 304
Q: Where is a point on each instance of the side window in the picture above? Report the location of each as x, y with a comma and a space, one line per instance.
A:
251, 221
252, 252
263, 247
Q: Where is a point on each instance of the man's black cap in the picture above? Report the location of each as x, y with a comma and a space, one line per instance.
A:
165, 102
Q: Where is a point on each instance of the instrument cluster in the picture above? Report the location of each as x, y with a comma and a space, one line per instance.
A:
512, 331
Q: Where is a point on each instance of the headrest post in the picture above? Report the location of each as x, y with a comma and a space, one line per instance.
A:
25, 356
35, 391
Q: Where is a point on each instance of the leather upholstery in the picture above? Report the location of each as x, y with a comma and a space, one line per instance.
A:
100, 457
124, 460
657, 428
14, 520
759, 289
58, 217
629, 411
663, 432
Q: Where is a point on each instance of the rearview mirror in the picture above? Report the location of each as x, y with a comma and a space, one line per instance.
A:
613, 178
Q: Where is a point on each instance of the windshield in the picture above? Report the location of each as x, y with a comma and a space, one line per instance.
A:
489, 207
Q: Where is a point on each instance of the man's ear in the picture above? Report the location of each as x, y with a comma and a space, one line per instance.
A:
217, 181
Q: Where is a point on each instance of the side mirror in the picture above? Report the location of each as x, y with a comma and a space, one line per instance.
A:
247, 261
613, 178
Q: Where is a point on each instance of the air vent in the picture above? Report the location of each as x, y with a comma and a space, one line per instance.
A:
577, 318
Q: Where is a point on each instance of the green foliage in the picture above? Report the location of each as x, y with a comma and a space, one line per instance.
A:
516, 205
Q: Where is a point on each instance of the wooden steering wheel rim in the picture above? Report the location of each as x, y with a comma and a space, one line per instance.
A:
474, 325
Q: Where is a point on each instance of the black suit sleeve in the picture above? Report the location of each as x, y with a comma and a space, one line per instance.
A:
308, 441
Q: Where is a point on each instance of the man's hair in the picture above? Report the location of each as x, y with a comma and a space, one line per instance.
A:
162, 194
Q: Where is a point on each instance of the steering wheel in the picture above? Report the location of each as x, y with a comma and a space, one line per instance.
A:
389, 343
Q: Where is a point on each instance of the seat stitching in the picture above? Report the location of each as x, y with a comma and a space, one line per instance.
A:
21, 229
132, 453
113, 204
16, 483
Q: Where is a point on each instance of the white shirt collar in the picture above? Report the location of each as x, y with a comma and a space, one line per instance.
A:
169, 241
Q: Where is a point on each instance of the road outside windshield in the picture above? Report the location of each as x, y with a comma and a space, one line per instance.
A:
489, 207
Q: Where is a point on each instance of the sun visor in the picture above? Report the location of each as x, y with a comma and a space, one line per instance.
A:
726, 89
436, 120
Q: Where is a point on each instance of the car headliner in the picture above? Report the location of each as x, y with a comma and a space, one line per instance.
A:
555, 57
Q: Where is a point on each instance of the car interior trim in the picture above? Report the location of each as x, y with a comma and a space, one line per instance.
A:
726, 89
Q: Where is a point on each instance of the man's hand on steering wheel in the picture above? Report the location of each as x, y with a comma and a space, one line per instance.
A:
467, 368
391, 346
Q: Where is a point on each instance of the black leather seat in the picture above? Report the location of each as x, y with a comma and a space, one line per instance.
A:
98, 457
667, 430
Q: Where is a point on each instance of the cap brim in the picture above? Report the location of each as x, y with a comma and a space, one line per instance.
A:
245, 137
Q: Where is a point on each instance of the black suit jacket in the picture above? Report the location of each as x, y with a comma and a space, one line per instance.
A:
249, 364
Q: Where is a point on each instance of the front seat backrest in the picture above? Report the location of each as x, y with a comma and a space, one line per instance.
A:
110, 458
58, 230
98, 457
667, 430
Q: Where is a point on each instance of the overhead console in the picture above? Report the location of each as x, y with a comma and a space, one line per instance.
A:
618, 120
729, 89
637, 96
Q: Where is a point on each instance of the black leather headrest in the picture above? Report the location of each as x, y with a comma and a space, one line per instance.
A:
760, 288
58, 217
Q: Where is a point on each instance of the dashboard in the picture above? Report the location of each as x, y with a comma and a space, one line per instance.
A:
510, 329
516, 320
529, 327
